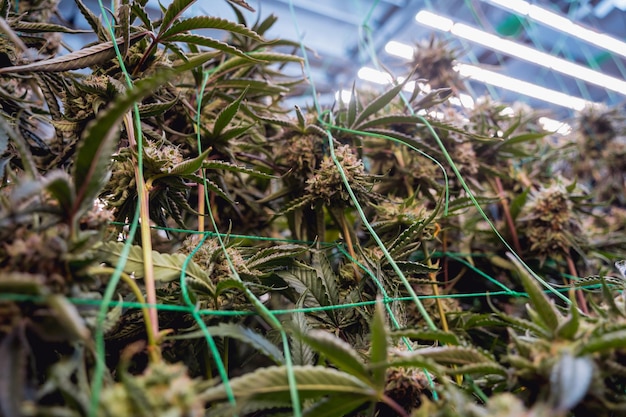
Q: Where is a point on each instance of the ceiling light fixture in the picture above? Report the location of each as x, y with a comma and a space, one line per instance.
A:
493, 78
556, 126
521, 87
565, 25
526, 53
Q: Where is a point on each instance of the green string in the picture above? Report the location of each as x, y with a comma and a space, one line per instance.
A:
234, 313
183, 282
104, 304
99, 370
472, 198
262, 309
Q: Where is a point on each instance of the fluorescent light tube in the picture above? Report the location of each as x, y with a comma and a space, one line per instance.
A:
526, 53
374, 76
434, 20
559, 22
399, 49
521, 87
555, 126
493, 78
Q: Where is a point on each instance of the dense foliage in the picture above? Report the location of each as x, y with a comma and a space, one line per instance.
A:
304, 262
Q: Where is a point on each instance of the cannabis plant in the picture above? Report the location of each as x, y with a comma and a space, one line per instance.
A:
177, 241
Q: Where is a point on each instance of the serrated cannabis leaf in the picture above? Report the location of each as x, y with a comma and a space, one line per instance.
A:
209, 22
377, 104
167, 267
209, 43
93, 157
82, 58
190, 165
226, 115
546, 311
227, 166
241, 333
272, 383
338, 352
447, 338
173, 12
378, 345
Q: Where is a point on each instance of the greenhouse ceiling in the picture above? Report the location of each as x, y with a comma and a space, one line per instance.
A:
559, 55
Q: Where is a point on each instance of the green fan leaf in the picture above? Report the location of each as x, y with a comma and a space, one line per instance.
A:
337, 352
167, 267
455, 355
241, 333
479, 369
603, 343
352, 106
519, 323
226, 115
209, 185
516, 140
270, 256
447, 338
93, 157
568, 328
329, 279
451, 128
272, 383
376, 105
59, 184
192, 61
235, 132
140, 12
173, 12
261, 86
546, 311
209, 22
227, 166
385, 121
190, 166
378, 346
301, 352
307, 284
407, 237
92, 20
123, 29
268, 57
243, 4
154, 109
411, 267
209, 43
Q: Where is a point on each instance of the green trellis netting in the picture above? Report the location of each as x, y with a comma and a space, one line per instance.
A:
368, 54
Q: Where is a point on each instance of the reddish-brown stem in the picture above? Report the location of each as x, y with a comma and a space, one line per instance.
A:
444, 248
507, 215
580, 297
343, 224
143, 197
394, 406
201, 208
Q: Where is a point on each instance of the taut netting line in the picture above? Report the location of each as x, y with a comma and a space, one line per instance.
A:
397, 289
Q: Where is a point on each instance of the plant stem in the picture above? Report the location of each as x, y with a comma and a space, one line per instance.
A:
340, 218
143, 197
153, 349
201, 206
580, 297
507, 215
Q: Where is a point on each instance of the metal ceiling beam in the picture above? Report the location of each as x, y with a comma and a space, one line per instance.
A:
322, 10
